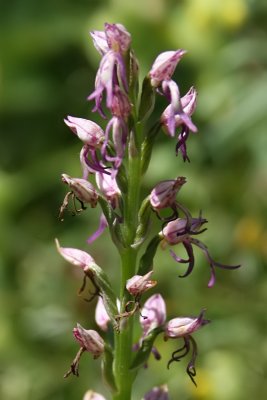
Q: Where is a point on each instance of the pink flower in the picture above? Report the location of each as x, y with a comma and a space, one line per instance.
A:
118, 38
113, 45
164, 193
111, 70
138, 284
119, 134
87, 131
179, 116
182, 326
100, 41
174, 115
101, 316
108, 186
164, 66
76, 257
115, 37
153, 313
181, 231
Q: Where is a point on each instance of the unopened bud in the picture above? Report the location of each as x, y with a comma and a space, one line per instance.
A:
138, 284
90, 340
120, 106
164, 193
82, 189
101, 316
118, 38
164, 66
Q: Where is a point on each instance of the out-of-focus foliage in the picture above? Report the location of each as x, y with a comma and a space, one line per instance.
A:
47, 69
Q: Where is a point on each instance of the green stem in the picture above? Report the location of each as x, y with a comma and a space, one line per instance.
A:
124, 339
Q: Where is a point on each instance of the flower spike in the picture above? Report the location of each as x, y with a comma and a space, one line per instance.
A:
114, 160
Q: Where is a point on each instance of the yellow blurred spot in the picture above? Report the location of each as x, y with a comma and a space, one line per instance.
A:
204, 388
248, 232
234, 13
200, 13
226, 13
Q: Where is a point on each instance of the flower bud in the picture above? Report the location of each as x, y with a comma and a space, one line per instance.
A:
82, 189
138, 284
120, 106
180, 327
164, 193
90, 340
87, 131
101, 316
157, 393
90, 395
153, 313
164, 66
118, 38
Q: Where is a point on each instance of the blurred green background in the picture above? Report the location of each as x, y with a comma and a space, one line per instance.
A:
47, 70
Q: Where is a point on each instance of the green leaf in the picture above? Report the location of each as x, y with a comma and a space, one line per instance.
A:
145, 350
100, 279
146, 261
147, 146
143, 222
147, 99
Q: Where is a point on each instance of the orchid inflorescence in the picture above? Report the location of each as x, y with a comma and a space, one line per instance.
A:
114, 160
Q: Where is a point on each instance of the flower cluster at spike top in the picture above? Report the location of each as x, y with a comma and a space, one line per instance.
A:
114, 158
